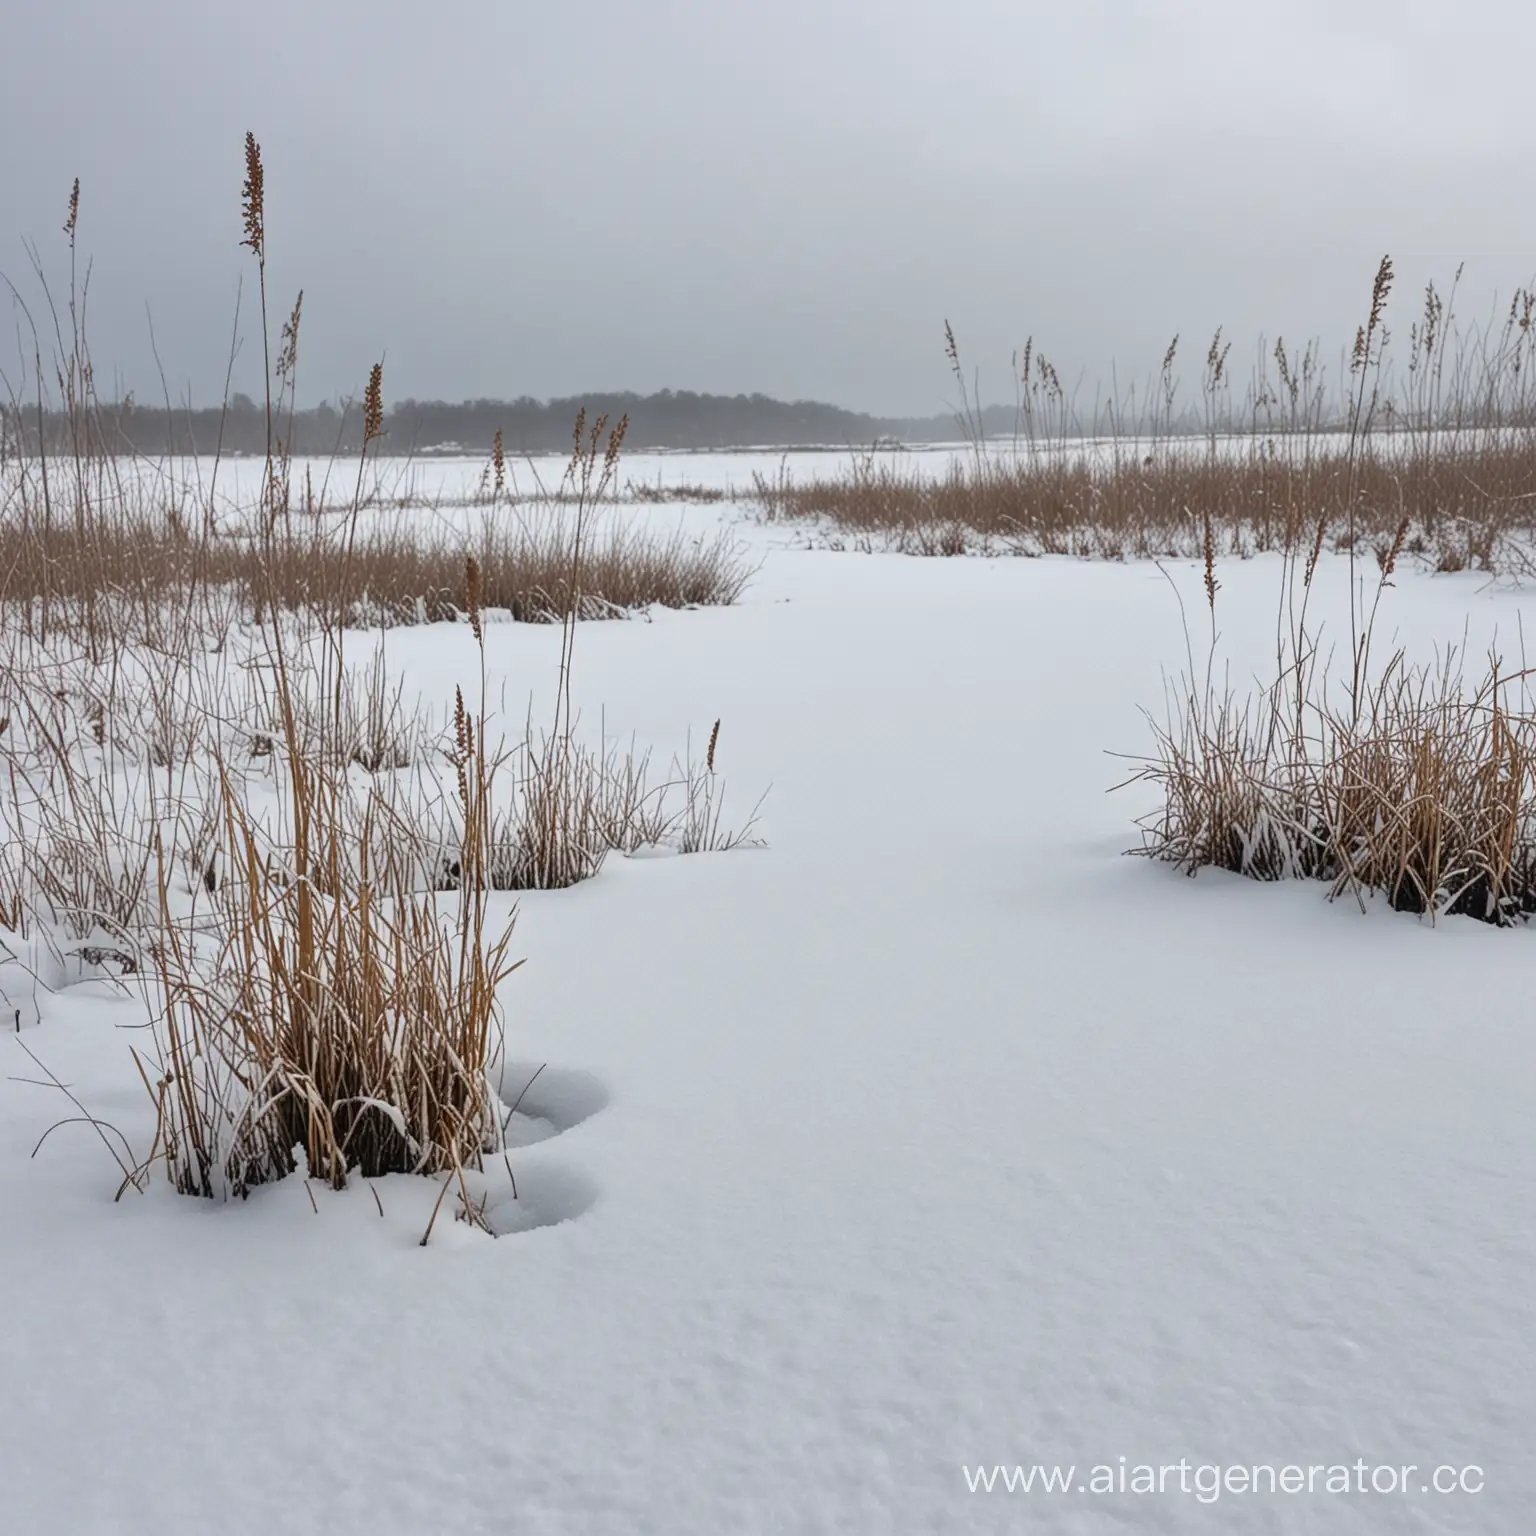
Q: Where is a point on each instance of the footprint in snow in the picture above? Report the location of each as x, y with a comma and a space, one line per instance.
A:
547, 1194
542, 1102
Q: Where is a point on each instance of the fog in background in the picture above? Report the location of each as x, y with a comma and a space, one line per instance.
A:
543, 199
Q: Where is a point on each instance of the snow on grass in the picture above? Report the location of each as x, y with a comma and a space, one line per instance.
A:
938, 1133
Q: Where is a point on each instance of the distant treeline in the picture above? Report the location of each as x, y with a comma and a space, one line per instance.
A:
676, 419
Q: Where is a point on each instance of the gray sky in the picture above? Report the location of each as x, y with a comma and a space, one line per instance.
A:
541, 197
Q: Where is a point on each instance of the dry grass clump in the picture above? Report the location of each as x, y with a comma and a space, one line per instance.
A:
1427, 798
1410, 783
702, 828
1436, 801
319, 1013
312, 1007
398, 573
667, 495
78, 859
574, 806
364, 721
344, 1023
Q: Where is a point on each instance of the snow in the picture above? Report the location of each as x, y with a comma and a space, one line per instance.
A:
936, 1134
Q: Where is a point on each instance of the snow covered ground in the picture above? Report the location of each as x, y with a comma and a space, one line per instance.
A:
937, 1135
452, 478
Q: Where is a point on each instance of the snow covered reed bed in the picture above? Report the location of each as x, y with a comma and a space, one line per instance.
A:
1468, 505
1443, 448
108, 545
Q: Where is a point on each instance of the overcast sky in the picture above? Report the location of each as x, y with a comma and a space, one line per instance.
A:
544, 197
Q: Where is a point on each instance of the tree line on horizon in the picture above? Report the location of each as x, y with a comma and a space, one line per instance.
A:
670, 419
673, 419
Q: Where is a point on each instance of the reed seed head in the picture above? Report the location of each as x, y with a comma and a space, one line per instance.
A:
1216, 358
373, 405
1283, 363
1398, 539
1316, 551
253, 199
615, 443
472, 596
288, 348
1381, 287
460, 723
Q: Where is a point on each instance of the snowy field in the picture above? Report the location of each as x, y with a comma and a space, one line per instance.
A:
935, 1135
444, 479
